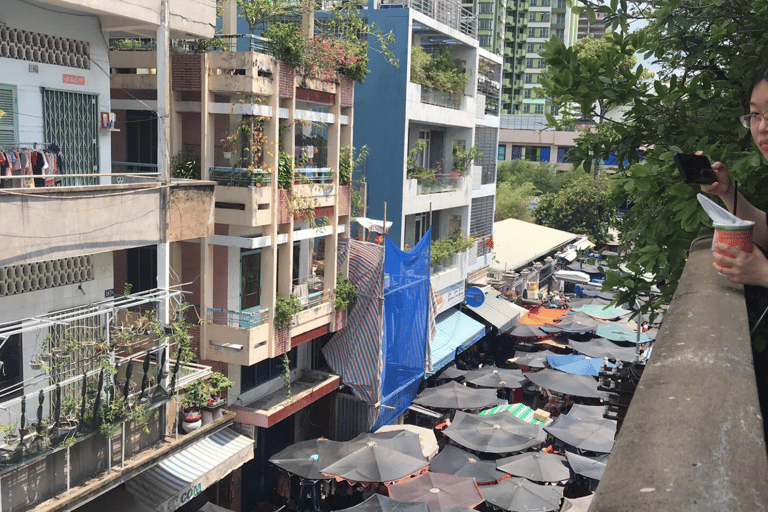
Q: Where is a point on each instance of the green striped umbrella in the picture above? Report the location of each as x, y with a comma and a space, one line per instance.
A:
519, 411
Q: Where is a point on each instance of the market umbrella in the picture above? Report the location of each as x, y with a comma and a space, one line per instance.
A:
492, 377
536, 466
527, 331
379, 460
496, 433
380, 503
603, 312
541, 316
519, 411
439, 491
616, 333
587, 412
427, 439
576, 364
601, 347
577, 504
453, 395
576, 303
307, 458
574, 325
594, 435
521, 495
575, 385
452, 460
451, 372
586, 466
534, 359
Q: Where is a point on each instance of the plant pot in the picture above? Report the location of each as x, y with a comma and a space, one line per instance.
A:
227, 155
66, 428
192, 420
35, 364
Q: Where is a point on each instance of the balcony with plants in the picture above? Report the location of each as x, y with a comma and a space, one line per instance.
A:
434, 180
92, 403
440, 78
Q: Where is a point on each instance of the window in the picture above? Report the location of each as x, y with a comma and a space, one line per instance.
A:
561, 4
422, 158
486, 8
546, 3
526, 109
531, 47
539, 109
484, 40
268, 369
531, 32
560, 19
9, 123
529, 63
501, 153
553, 110
527, 93
544, 32
528, 78
560, 33
484, 24
545, 17
532, 16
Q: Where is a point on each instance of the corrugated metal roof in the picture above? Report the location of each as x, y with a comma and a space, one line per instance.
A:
180, 477
498, 311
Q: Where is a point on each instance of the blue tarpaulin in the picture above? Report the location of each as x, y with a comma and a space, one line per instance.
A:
456, 332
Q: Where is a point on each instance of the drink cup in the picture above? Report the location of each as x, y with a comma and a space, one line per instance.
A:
735, 236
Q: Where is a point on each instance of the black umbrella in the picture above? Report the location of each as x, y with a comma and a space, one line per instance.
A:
307, 458
439, 491
406, 441
572, 325
382, 460
601, 347
379, 503
536, 466
576, 385
586, 466
519, 494
453, 395
534, 359
455, 461
592, 435
451, 372
589, 301
586, 412
527, 331
492, 377
495, 433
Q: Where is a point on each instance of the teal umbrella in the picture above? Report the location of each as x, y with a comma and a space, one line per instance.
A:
602, 312
617, 333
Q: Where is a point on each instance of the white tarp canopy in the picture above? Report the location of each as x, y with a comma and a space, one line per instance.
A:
373, 225
518, 243
572, 276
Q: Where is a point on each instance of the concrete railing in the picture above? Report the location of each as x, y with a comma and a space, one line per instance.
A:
693, 437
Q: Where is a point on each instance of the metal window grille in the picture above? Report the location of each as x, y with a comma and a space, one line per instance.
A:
9, 122
481, 223
70, 119
486, 141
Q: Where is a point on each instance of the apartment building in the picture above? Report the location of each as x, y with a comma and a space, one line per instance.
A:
88, 389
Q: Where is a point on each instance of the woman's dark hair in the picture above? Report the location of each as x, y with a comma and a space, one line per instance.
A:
762, 75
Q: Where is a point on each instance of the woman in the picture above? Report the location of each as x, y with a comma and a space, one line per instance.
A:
738, 266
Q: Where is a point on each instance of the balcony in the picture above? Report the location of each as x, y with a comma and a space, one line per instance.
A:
129, 215
133, 69
444, 11
439, 184
237, 337
243, 197
440, 98
318, 308
242, 73
693, 436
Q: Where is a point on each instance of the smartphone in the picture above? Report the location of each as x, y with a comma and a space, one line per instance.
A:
695, 169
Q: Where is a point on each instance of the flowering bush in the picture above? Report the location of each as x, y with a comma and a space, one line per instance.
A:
326, 58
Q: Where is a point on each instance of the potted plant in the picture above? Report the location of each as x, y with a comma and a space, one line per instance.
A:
462, 159
216, 383
285, 308
193, 400
344, 295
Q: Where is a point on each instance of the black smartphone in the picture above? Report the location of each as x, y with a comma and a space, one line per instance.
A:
695, 169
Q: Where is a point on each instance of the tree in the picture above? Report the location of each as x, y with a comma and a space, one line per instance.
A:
584, 207
709, 52
258, 12
513, 202
545, 177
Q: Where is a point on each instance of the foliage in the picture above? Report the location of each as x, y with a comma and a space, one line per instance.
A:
219, 382
344, 294
415, 171
513, 202
196, 395
185, 164
585, 207
544, 176
285, 43
286, 361
446, 247
708, 53
439, 70
285, 308
462, 159
284, 170
180, 333
257, 12
69, 441
349, 163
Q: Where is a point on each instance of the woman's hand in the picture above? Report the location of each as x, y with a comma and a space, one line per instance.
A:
741, 267
723, 186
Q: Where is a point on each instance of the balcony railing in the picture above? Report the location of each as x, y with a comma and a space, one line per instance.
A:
240, 177
693, 436
314, 174
438, 184
242, 319
445, 11
440, 98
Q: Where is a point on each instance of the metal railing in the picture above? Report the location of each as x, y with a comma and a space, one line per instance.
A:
314, 174
438, 184
440, 98
134, 172
240, 177
241, 319
445, 11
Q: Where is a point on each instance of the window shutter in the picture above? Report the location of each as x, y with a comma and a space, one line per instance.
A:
9, 122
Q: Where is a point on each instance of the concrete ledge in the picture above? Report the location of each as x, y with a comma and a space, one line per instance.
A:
693, 436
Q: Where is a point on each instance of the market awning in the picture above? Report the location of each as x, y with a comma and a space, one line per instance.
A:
456, 332
182, 476
498, 311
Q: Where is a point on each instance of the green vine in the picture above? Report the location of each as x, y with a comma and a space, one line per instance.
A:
284, 170
287, 376
285, 308
345, 293
348, 163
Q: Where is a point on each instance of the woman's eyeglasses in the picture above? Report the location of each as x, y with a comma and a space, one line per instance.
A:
752, 119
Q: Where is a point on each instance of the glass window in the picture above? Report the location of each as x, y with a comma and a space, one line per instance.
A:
529, 63
532, 16
485, 24
544, 32
531, 32
559, 32
528, 78
527, 93
526, 109
486, 8
484, 40
501, 154
531, 47
10, 121
539, 109
261, 372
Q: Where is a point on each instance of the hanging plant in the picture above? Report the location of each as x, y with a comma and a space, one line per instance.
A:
284, 170
285, 308
344, 294
286, 361
446, 247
